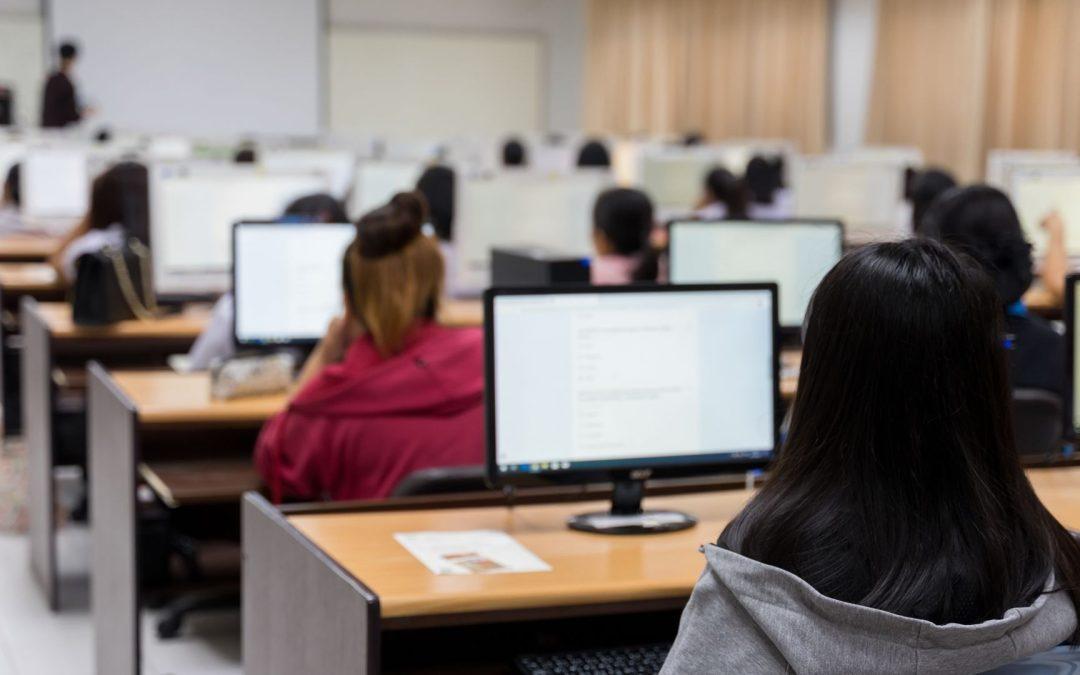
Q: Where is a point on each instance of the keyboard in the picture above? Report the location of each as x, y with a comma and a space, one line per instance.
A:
621, 661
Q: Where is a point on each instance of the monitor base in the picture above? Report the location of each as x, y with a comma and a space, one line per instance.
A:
644, 522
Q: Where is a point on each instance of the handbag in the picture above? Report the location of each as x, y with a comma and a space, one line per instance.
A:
112, 285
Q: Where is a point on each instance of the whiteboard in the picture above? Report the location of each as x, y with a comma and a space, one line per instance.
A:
22, 63
197, 66
434, 82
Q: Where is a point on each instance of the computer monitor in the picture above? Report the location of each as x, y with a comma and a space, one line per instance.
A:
1072, 356
623, 384
1036, 193
192, 212
339, 166
376, 182
55, 183
796, 254
287, 281
1002, 164
674, 181
864, 192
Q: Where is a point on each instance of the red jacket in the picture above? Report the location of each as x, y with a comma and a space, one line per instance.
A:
362, 425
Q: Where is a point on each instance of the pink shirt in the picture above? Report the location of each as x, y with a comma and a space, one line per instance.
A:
613, 270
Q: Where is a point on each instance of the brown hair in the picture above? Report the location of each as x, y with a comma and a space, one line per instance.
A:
393, 272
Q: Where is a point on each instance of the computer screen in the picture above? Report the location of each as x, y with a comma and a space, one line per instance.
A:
1072, 338
1037, 193
192, 212
339, 166
287, 280
1002, 164
55, 183
588, 380
794, 254
675, 181
865, 194
376, 182
515, 209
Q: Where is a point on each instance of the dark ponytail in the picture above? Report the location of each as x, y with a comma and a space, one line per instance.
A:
725, 188
625, 218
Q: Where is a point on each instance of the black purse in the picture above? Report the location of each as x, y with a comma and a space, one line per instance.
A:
112, 285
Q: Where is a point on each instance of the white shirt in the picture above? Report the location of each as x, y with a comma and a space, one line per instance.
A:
10, 219
91, 242
216, 341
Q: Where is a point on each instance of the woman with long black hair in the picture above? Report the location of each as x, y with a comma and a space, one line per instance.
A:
897, 531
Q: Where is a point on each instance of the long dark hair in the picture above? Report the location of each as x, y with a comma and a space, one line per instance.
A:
437, 186
723, 186
925, 187
120, 195
899, 486
625, 217
763, 178
981, 222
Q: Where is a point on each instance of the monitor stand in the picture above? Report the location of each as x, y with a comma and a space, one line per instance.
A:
627, 517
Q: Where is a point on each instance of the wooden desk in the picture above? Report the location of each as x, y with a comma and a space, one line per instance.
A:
28, 247
30, 279
51, 341
164, 428
461, 313
335, 582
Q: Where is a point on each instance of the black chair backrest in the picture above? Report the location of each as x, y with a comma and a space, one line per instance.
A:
1038, 420
441, 480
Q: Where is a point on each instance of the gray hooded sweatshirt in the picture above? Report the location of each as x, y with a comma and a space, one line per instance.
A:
748, 617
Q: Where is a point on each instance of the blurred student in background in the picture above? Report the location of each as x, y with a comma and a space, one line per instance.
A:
514, 154
119, 209
764, 180
216, 343
10, 202
623, 222
897, 531
927, 186
388, 391
593, 155
723, 196
60, 103
980, 221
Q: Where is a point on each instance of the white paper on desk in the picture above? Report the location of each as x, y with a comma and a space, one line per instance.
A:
471, 552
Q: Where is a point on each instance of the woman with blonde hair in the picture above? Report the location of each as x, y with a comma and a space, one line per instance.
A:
388, 391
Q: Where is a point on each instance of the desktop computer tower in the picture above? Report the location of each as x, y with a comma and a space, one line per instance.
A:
537, 268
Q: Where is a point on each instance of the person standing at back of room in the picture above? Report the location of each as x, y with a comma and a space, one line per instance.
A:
897, 532
388, 391
60, 102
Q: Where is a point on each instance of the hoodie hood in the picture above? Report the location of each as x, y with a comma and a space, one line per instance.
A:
749, 617
439, 372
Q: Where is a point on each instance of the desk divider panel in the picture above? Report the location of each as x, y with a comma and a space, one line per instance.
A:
114, 594
302, 613
37, 435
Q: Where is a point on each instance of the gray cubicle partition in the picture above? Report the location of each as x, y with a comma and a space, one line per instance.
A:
302, 613
37, 399
114, 582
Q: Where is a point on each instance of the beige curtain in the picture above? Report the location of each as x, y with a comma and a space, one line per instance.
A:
728, 68
960, 77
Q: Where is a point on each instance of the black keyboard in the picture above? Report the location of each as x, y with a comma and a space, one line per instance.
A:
622, 661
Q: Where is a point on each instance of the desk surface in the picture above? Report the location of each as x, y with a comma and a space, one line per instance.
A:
187, 325
461, 313
164, 397
28, 246
587, 568
29, 278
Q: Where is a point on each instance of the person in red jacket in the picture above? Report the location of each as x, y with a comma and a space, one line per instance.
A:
388, 391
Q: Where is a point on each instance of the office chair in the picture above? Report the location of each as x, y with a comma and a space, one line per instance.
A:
1037, 418
441, 480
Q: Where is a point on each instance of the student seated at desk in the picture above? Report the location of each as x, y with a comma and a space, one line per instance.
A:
768, 198
724, 196
514, 154
10, 217
593, 155
119, 208
216, 341
897, 531
622, 224
388, 391
980, 221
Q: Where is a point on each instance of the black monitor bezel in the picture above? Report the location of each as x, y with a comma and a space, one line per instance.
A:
787, 331
1071, 327
260, 344
498, 479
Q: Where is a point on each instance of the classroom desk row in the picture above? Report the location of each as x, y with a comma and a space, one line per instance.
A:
340, 585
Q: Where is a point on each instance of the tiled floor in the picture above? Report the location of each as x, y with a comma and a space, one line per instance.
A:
35, 641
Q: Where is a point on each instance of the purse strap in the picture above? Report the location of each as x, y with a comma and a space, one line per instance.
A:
143, 311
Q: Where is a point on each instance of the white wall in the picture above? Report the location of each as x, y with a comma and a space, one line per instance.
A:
22, 58
853, 43
560, 22
197, 66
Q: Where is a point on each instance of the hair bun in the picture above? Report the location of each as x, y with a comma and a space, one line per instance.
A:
390, 228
